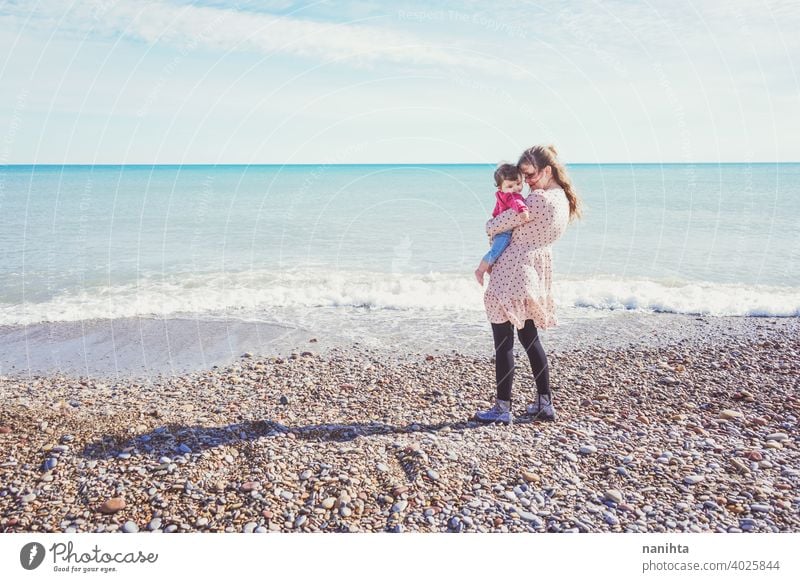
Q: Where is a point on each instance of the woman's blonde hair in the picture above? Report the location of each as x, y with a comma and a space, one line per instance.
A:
541, 156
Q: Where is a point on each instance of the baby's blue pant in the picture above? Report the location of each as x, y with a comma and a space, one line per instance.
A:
499, 244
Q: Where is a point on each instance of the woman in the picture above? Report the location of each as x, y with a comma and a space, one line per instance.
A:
519, 293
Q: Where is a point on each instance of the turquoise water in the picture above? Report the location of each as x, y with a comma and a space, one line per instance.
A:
83, 242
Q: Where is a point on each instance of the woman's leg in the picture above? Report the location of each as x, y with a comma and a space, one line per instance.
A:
504, 358
533, 347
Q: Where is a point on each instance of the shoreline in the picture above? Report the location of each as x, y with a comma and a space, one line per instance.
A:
141, 348
696, 431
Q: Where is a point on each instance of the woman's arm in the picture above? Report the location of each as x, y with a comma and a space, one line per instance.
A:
508, 220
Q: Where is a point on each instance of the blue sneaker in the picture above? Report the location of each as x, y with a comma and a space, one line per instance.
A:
542, 408
500, 412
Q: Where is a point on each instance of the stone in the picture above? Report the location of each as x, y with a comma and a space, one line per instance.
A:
614, 495
778, 436
328, 502
112, 505
432, 475
154, 524
50, 464
739, 465
587, 449
693, 479
610, 518
729, 414
249, 527
130, 527
572, 457
530, 477
747, 524
399, 506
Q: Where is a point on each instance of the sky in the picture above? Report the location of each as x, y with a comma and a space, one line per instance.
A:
283, 82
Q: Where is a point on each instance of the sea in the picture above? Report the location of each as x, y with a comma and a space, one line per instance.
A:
389, 249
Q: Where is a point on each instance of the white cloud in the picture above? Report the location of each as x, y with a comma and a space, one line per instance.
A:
190, 26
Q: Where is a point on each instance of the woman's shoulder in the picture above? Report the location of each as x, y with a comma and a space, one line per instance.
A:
549, 192
548, 195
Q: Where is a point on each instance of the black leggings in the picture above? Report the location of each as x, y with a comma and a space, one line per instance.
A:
504, 357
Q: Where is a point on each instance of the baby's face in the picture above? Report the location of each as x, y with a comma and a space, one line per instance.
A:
511, 186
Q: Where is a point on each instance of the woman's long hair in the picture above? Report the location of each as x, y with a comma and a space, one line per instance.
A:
541, 156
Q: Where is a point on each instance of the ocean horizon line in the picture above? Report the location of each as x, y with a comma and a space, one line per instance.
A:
393, 164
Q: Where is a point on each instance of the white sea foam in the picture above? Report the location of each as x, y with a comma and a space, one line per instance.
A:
252, 292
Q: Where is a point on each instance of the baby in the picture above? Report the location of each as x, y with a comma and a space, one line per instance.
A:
509, 185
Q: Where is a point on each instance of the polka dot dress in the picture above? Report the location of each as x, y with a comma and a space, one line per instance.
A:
519, 284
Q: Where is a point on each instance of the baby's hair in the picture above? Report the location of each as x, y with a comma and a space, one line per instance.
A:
505, 172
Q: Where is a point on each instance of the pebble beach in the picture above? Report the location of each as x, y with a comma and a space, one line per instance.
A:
692, 432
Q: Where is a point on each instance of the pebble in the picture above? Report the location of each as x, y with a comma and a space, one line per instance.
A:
572, 456
760, 507
455, 525
530, 477
614, 495
778, 436
154, 524
112, 505
249, 527
432, 475
739, 465
729, 414
693, 479
50, 464
587, 449
747, 524
400, 506
130, 527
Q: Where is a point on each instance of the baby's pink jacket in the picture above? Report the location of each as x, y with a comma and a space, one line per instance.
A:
506, 200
